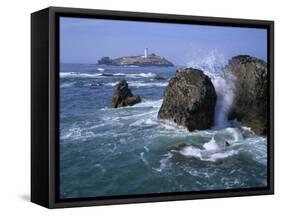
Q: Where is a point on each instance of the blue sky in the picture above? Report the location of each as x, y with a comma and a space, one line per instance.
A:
87, 40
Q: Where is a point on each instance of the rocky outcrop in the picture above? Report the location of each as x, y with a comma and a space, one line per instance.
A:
189, 100
122, 96
250, 100
139, 60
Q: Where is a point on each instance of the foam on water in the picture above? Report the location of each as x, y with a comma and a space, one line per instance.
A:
225, 87
164, 162
73, 74
147, 122
235, 133
208, 155
211, 145
143, 104
66, 85
146, 148
170, 125
78, 75
211, 151
102, 169
143, 159
140, 84
191, 151
150, 103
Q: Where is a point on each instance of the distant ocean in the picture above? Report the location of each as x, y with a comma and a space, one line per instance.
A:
126, 151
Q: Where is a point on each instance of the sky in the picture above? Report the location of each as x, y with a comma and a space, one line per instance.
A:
84, 40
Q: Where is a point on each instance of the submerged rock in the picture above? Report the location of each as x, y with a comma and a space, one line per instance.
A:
122, 96
189, 100
158, 77
250, 100
96, 85
107, 74
226, 143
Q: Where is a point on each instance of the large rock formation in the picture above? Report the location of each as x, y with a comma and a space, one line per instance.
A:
139, 60
122, 96
250, 100
189, 100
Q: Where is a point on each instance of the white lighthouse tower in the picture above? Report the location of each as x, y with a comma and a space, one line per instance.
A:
145, 52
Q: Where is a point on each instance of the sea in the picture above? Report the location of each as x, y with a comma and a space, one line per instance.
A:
126, 151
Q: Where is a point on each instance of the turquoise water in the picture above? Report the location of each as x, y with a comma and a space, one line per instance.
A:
125, 151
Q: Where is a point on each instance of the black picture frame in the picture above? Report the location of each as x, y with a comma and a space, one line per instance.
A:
45, 102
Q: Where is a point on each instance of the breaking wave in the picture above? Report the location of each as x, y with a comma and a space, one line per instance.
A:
105, 75
140, 84
213, 65
211, 152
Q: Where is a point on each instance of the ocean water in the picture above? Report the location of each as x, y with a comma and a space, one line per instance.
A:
126, 151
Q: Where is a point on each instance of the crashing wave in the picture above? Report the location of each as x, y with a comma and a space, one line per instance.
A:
223, 80
72, 74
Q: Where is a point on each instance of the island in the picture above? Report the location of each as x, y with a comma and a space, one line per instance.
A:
138, 60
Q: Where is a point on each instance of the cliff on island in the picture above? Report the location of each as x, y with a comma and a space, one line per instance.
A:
139, 60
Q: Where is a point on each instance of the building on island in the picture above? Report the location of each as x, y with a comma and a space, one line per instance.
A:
145, 52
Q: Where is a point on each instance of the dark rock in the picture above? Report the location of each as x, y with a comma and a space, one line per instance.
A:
250, 100
122, 96
226, 143
104, 61
219, 161
158, 77
96, 85
107, 74
189, 100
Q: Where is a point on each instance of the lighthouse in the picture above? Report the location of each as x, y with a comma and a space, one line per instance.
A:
145, 52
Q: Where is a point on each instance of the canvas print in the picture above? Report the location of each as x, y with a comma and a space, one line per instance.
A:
149, 108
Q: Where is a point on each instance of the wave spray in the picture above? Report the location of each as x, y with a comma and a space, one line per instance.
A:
223, 80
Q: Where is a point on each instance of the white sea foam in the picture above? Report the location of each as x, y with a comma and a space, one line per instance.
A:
146, 148
211, 145
147, 122
73, 132
131, 66
78, 75
225, 88
82, 133
66, 85
221, 155
235, 133
150, 84
150, 103
146, 74
140, 84
72, 74
204, 155
211, 64
191, 151
211, 152
164, 162
102, 169
143, 104
170, 125
143, 159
